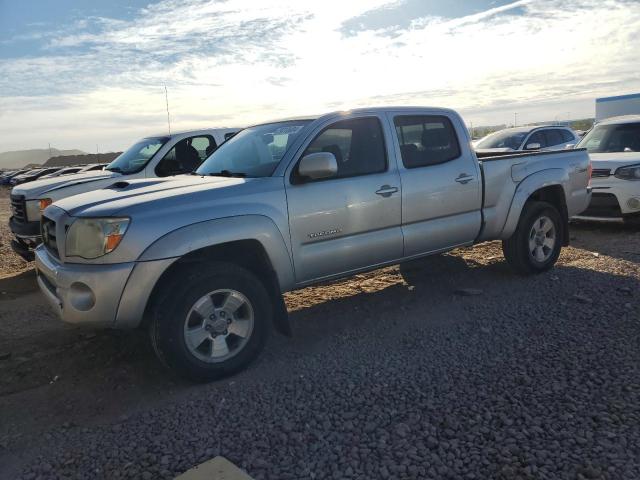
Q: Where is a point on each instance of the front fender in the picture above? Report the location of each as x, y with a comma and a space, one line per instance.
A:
532, 183
223, 230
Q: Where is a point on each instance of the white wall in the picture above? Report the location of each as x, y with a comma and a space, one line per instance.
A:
614, 106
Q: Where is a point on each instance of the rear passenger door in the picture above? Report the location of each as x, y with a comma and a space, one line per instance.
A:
441, 184
350, 221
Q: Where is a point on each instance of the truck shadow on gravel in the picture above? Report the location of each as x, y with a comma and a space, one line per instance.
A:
613, 239
97, 376
15, 286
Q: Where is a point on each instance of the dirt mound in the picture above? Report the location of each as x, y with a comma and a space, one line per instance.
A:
66, 160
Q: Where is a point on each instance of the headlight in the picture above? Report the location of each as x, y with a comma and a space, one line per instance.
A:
94, 237
632, 172
35, 208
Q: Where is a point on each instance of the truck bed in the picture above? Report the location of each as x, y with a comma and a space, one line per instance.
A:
498, 194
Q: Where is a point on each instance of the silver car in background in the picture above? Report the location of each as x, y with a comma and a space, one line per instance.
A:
527, 138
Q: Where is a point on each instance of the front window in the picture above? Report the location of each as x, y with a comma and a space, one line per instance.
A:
254, 151
137, 156
612, 138
503, 139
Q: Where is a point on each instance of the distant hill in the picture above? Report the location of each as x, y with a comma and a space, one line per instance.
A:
20, 158
64, 160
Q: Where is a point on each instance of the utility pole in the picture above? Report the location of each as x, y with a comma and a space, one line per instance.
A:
515, 119
49, 150
166, 97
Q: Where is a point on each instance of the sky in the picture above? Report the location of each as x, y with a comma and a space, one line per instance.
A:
91, 75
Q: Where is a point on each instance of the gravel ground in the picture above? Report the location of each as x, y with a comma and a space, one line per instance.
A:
452, 367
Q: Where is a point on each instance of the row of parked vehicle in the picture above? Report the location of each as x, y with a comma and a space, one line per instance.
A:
614, 148
17, 177
195, 236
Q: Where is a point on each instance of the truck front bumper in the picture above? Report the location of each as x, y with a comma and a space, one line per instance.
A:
98, 295
26, 237
79, 293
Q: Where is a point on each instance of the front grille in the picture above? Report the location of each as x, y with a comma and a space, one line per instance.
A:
600, 172
48, 231
603, 205
19, 208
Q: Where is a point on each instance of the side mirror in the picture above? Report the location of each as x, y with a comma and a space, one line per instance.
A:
318, 165
533, 146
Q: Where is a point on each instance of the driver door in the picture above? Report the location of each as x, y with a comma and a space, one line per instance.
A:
350, 221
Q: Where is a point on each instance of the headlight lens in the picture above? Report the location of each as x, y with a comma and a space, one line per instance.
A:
36, 207
95, 237
33, 210
632, 172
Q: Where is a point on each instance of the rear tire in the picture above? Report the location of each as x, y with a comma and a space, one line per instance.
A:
210, 321
535, 245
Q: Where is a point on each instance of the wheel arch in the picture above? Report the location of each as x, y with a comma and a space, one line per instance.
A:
546, 186
252, 242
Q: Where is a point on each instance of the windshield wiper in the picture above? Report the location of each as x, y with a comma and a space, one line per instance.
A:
114, 169
227, 173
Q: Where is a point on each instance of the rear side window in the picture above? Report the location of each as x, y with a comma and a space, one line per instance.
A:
567, 136
186, 155
554, 137
537, 137
357, 144
426, 140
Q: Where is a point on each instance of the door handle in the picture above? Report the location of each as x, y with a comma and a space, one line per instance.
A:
464, 178
386, 191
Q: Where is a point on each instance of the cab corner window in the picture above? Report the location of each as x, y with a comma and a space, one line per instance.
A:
186, 156
426, 140
357, 144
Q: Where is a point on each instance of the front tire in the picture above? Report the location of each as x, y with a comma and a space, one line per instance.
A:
535, 245
211, 321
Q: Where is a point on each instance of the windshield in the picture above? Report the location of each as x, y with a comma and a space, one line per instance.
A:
612, 138
137, 156
254, 151
503, 139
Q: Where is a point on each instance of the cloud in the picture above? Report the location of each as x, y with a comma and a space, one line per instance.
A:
241, 61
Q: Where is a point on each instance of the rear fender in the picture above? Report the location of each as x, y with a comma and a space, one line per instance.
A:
524, 191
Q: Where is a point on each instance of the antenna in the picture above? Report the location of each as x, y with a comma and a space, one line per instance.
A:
166, 97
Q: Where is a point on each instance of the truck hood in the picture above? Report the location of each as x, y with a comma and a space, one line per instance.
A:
126, 196
613, 160
39, 188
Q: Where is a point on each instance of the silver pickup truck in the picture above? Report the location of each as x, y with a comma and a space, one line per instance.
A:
202, 261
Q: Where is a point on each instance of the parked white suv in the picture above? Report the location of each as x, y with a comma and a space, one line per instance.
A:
614, 148
151, 157
527, 138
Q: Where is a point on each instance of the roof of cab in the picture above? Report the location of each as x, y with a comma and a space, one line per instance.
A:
192, 132
310, 118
